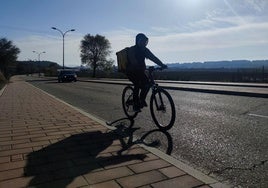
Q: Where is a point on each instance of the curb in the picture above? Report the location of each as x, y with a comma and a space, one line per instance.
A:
2, 90
214, 91
186, 168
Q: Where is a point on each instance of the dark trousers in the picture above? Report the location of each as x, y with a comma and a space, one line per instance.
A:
141, 85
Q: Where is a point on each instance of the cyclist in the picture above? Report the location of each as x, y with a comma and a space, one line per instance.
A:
136, 70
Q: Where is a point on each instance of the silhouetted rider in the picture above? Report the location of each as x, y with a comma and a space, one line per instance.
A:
136, 70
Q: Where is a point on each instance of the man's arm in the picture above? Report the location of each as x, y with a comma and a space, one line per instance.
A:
152, 57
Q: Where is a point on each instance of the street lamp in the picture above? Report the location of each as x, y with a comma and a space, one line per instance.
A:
39, 53
63, 35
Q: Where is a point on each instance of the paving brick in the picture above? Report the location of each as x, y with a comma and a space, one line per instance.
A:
19, 134
172, 172
12, 165
71, 172
124, 160
5, 132
32, 144
5, 138
4, 159
5, 147
109, 184
18, 157
15, 151
150, 157
182, 181
107, 175
72, 128
15, 141
10, 174
109, 149
29, 136
138, 180
66, 183
149, 165
138, 150
85, 159
16, 182
46, 138
60, 133
53, 127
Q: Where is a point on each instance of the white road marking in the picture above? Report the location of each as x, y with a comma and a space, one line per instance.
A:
257, 115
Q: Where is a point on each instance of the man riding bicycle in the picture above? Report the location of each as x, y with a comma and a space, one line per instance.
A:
136, 70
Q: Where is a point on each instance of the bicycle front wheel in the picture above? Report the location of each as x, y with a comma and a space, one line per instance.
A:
128, 102
162, 109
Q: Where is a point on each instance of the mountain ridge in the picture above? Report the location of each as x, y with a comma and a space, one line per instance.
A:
233, 64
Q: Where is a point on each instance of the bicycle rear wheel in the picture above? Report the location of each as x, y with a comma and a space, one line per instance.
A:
128, 102
162, 109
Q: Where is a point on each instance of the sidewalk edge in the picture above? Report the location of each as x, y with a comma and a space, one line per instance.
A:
188, 169
2, 90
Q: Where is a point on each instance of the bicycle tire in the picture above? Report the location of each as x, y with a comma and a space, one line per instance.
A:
158, 113
127, 102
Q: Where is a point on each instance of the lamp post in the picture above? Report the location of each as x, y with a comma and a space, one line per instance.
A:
39, 53
63, 35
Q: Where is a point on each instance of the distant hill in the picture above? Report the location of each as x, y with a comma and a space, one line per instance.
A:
37, 63
235, 64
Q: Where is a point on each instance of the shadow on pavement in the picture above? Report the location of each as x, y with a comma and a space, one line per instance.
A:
155, 138
60, 163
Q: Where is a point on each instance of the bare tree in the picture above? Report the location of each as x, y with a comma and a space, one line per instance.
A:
94, 51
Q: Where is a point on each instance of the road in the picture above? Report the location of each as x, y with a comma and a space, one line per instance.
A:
224, 136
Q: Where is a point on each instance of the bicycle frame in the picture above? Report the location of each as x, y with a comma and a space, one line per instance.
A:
155, 88
162, 107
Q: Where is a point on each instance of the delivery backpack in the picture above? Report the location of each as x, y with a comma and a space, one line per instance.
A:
122, 60
126, 59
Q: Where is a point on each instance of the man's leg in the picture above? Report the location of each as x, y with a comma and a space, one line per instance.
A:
144, 90
134, 78
136, 98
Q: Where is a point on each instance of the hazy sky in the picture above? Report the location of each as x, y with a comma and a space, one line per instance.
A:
178, 30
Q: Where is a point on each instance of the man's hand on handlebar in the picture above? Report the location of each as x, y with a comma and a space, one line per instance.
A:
164, 66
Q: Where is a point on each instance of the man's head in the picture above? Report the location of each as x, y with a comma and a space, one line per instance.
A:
141, 40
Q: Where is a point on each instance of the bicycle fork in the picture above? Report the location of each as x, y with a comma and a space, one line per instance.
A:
159, 103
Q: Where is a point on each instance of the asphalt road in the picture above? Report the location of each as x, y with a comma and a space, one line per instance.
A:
222, 135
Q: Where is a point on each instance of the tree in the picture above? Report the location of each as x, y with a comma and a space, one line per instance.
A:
94, 51
8, 55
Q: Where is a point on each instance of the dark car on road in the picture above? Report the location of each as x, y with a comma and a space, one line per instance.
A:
67, 76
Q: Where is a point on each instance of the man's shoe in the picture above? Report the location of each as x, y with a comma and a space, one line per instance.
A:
143, 104
136, 108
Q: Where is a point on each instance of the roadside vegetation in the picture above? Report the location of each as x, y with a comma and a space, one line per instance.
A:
8, 56
3, 81
95, 51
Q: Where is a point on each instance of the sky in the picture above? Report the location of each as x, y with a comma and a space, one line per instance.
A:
178, 30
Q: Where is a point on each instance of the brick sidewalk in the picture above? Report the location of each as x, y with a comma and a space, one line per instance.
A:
46, 143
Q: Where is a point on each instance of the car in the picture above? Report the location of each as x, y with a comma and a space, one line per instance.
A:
67, 76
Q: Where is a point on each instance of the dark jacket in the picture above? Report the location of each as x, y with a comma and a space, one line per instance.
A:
136, 58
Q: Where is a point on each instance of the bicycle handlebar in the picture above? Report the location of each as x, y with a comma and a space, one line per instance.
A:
152, 68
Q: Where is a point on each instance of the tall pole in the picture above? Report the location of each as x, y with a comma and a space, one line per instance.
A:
63, 35
39, 53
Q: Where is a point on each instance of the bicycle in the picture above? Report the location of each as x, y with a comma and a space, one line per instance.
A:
162, 107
